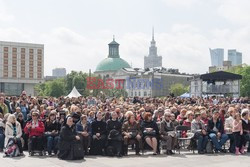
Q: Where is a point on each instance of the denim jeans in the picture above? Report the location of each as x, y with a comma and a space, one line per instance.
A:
52, 143
202, 142
218, 144
2, 137
232, 143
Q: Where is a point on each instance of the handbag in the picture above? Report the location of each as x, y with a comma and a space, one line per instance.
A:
78, 152
149, 133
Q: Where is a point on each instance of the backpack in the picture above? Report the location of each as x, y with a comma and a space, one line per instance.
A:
110, 151
114, 135
12, 149
78, 152
209, 147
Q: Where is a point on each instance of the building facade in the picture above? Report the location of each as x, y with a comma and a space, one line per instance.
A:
21, 67
152, 60
217, 56
154, 82
235, 57
59, 72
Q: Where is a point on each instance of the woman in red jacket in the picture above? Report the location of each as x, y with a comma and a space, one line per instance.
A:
35, 130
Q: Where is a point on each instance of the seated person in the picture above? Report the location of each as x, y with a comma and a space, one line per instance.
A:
2, 128
35, 130
216, 132
99, 135
68, 138
200, 133
167, 133
83, 128
114, 130
13, 131
131, 131
52, 132
150, 132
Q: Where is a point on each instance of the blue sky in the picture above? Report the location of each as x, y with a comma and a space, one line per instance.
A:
76, 32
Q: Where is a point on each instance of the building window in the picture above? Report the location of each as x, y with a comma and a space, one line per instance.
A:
14, 50
22, 50
145, 93
6, 49
23, 56
31, 50
135, 93
139, 93
131, 94
39, 51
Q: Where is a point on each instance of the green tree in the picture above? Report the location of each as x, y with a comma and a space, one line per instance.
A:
178, 89
77, 79
53, 88
243, 70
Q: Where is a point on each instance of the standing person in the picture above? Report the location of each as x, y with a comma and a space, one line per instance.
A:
200, 133
35, 130
238, 134
3, 107
13, 131
2, 128
229, 128
68, 137
246, 128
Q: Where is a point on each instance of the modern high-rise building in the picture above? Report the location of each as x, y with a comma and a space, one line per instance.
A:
21, 67
235, 57
152, 60
59, 72
217, 57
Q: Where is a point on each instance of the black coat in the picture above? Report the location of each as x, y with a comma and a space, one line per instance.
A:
99, 127
67, 139
151, 124
219, 125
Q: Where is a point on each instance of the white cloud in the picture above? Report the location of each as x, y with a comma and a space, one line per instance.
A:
235, 11
181, 3
4, 15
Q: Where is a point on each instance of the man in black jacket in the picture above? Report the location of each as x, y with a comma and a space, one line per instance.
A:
216, 132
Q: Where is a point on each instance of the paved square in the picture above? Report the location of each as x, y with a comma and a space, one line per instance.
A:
147, 160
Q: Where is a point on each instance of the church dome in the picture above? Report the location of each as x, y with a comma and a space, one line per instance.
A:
113, 62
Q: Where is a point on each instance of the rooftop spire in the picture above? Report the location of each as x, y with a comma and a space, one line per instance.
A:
113, 37
153, 35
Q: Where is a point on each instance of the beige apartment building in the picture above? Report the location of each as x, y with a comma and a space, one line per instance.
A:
21, 67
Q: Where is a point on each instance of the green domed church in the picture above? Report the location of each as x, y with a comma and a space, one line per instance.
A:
110, 65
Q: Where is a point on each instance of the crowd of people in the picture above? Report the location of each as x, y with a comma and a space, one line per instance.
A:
73, 127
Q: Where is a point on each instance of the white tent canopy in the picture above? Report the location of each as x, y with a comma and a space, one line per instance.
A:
74, 93
185, 95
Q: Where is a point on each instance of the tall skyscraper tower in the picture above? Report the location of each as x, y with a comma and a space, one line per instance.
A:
235, 57
217, 57
152, 60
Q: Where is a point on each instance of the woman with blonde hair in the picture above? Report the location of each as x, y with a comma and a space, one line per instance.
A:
13, 131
